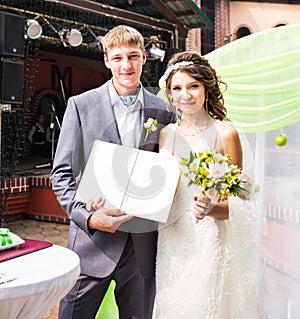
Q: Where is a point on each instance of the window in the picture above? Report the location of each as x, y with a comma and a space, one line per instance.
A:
242, 32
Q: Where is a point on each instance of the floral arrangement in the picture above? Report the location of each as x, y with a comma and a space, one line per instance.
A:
150, 127
214, 176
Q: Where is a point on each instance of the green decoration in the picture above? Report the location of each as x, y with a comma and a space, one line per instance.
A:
108, 308
280, 140
262, 71
5, 237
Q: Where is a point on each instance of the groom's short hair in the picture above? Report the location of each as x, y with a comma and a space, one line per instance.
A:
122, 35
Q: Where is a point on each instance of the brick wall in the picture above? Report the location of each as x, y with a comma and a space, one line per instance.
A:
221, 22
193, 40
32, 197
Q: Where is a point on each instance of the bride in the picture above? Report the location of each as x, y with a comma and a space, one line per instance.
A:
208, 268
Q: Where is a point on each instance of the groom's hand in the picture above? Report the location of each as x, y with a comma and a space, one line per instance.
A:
108, 220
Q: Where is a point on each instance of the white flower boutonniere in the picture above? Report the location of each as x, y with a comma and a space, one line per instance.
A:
150, 127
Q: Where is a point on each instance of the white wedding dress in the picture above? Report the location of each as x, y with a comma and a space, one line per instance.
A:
208, 270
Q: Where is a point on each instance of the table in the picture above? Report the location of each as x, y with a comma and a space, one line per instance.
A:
43, 278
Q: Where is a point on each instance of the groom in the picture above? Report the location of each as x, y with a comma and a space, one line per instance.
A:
116, 113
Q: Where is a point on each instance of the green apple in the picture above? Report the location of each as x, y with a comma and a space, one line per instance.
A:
280, 140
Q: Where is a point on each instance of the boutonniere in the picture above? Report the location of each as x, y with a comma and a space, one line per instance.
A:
150, 127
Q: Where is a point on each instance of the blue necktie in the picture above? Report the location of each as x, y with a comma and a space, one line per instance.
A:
128, 100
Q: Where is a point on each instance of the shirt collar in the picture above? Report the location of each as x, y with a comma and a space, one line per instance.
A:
115, 100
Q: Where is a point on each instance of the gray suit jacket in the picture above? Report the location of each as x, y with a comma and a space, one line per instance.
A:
89, 116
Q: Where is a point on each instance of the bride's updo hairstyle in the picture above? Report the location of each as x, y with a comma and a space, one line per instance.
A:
198, 67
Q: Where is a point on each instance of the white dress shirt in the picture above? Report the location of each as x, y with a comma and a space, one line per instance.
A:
129, 119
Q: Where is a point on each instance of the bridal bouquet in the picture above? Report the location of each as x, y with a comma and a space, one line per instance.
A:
214, 176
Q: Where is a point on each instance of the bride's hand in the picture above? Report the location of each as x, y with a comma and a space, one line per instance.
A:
202, 207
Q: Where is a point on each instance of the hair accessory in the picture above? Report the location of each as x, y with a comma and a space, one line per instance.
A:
171, 68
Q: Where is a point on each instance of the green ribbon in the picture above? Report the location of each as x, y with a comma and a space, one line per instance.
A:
5, 237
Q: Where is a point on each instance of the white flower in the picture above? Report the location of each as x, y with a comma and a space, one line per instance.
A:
204, 165
194, 165
217, 170
185, 170
219, 156
210, 184
223, 186
149, 123
153, 128
192, 177
212, 194
150, 127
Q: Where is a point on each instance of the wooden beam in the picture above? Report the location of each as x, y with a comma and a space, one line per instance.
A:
200, 14
121, 14
170, 15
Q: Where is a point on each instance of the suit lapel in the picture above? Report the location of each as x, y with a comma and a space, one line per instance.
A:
150, 111
110, 133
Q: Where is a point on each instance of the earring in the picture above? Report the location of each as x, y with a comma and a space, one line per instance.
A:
178, 115
206, 102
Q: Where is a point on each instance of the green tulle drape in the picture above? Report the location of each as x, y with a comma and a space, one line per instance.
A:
262, 71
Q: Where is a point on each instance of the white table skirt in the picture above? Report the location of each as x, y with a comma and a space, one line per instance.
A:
43, 278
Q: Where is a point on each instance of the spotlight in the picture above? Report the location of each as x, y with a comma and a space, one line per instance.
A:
157, 53
72, 37
33, 29
97, 43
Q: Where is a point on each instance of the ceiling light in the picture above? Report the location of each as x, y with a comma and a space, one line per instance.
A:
157, 53
72, 37
97, 43
33, 29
